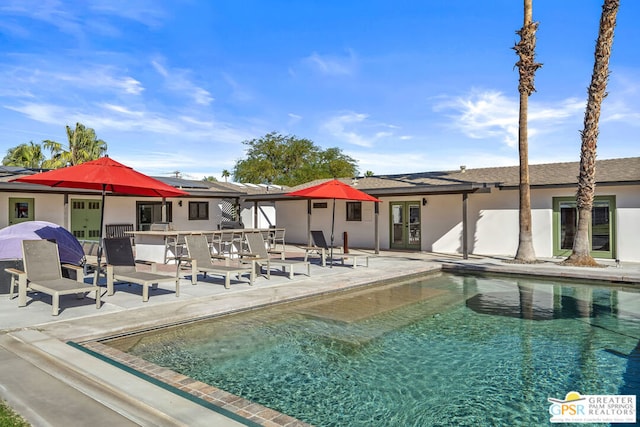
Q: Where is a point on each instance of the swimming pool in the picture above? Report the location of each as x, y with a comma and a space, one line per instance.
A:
447, 350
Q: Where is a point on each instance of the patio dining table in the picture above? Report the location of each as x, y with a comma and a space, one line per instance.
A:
165, 246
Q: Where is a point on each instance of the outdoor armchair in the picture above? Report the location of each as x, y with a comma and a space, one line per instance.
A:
121, 266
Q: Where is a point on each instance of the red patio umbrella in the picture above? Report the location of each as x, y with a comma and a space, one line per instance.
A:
106, 175
333, 189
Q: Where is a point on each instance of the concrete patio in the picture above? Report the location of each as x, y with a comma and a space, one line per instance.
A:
53, 383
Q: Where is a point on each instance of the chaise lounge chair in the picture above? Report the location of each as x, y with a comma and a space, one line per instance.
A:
121, 266
257, 248
43, 273
201, 260
321, 247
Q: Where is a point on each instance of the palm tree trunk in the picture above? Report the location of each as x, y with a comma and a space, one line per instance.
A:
527, 68
597, 92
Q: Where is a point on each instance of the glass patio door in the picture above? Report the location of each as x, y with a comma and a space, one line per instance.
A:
601, 229
405, 225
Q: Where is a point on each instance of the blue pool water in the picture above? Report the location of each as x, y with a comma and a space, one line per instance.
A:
448, 350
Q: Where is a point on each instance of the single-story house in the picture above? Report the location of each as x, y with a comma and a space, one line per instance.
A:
475, 211
208, 205
465, 211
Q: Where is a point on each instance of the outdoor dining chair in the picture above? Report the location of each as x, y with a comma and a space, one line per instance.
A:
276, 237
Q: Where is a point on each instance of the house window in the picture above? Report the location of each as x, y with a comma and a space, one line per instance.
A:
198, 210
354, 211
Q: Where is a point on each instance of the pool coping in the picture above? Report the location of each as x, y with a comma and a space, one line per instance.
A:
227, 404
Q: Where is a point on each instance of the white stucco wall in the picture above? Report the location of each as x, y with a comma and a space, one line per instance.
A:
118, 210
266, 215
493, 222
42, 207
292, 214
492, 219
627, 223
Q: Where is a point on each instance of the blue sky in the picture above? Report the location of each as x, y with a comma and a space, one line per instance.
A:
400, 86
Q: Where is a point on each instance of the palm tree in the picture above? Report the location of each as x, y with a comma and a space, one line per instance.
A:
527, 67
83, 146
225, 174
587, 179
27, 155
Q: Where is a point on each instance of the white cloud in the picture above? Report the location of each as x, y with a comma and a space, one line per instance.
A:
97, 77
178, 81
332, 65
426, 161
111, 117
78, 21
52, 12
42, 79
621, 105
484, 115
337, 127
490, 114
122, 110
238, 92
147, 12
44, 113
293, 119
357, 129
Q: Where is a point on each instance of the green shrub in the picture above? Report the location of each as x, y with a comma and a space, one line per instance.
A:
9, 418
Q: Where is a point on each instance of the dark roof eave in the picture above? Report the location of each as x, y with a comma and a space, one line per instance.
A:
20, 187
396, 191
433, 189
570, 185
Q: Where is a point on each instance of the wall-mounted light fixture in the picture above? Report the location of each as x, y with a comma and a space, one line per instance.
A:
180, 203
424, 201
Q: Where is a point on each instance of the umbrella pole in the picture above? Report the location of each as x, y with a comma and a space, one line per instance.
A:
333, 221
96, 279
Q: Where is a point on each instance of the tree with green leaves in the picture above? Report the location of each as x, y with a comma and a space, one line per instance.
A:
225, 174
210, 178
288, 160
27, 155
581, 253
83, 145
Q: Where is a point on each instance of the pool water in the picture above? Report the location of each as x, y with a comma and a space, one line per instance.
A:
447, 350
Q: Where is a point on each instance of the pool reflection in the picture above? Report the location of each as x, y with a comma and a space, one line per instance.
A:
549, 302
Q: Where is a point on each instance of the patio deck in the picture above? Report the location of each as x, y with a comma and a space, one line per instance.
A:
52, 383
